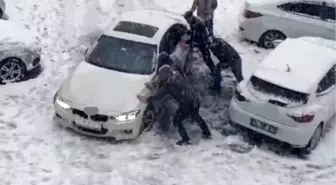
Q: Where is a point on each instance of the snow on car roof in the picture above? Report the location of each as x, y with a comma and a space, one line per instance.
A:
12, 32
161, 20
297, 64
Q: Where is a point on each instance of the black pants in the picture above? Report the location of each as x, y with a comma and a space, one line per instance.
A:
209, 25
236, 66
184, 112
205, 50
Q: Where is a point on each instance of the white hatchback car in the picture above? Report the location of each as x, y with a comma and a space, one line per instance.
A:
100, 97
291, 95
265, 21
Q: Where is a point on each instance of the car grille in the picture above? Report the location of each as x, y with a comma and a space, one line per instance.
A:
103, 131
99, 117
80, 113
36, 61
95, 117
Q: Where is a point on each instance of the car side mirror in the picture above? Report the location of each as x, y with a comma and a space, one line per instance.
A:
276, 43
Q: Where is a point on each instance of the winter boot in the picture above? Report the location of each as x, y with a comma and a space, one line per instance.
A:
184, 142
207, 136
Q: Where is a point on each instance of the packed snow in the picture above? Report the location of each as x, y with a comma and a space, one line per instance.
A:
34, 150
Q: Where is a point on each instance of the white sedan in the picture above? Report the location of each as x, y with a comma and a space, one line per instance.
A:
100, 97
19, 53
265, 21
291, 95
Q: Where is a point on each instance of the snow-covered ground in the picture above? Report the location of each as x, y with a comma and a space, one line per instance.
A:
35, 151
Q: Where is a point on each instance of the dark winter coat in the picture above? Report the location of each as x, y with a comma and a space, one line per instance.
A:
224, 51
178, 88
166, 59
199, 33
205, 8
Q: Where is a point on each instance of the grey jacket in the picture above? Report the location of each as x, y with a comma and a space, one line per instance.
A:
205, 8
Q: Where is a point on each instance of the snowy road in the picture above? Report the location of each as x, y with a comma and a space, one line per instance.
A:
34, 151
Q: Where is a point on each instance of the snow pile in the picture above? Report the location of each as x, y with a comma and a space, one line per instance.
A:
12, 32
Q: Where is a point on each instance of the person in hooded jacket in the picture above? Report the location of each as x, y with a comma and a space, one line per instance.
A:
228, 57
180, 61
175, 85
164, 108
205, 10
200, 38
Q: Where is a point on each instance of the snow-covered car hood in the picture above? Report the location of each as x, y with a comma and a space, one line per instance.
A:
15, 33
111, 91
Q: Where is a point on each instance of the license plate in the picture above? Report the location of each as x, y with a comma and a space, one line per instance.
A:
264, 126
88, 124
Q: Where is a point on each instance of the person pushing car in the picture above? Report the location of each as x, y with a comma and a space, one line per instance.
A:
228, 57
175, 85
200, 38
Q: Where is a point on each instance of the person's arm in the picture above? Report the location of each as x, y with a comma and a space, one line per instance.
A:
153, 84
194, 6
160, 93
204, 33
214, 4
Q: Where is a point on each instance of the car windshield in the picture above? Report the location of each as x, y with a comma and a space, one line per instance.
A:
123, 55
271, 89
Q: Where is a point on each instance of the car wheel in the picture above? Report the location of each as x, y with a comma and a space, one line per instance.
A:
314, 140
1, 14
267, 38
12, 70
148, 120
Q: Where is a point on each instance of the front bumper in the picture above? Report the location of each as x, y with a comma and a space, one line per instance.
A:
110, 129
297, 136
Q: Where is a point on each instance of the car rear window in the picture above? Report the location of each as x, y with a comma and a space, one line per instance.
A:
136, 28
275, 90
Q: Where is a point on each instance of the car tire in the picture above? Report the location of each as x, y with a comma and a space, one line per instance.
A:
12, 64
148, 120
267, 38
1, 13
314, 141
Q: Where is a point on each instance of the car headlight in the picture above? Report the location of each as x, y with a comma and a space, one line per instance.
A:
128, 116
59, 102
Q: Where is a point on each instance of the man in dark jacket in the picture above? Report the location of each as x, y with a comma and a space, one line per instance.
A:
200, 38
205, 10
177, 87
163, 108
228, 57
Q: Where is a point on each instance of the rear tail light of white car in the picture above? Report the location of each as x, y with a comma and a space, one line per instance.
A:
303, 118
250, 14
